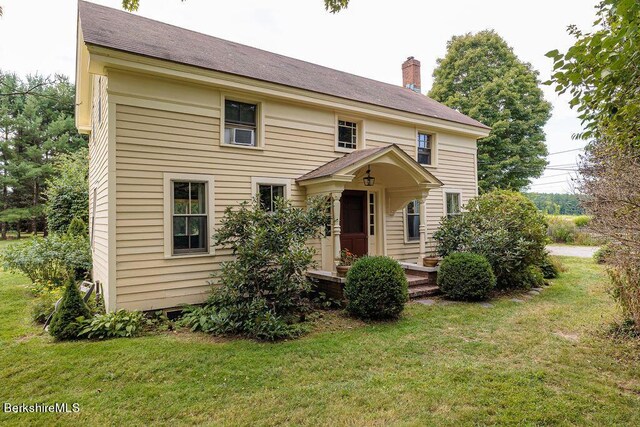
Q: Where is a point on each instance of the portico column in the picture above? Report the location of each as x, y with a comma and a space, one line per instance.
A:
335, 198
422, 229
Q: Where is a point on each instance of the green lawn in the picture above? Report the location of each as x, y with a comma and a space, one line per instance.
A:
546, 361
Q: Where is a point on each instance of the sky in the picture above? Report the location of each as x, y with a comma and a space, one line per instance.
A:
371, 38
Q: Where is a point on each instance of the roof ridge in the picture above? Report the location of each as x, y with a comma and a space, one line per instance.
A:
127, 32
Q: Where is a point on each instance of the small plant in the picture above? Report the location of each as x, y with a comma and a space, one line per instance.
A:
67, 322
466, 277
582, 220
347, 257
118, 324
376, 288
44, 304
78, 228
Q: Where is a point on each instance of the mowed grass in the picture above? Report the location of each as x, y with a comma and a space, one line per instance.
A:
546, 361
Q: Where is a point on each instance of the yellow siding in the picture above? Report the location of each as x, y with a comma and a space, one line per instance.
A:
150, 142
98, 182
163, 126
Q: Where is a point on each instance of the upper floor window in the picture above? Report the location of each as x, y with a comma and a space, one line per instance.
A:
240, 123
453, 204
425, 148
189, 215
347, 134
413, 220
268, 195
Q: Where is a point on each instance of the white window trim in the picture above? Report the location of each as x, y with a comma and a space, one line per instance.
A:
258, 180
405, 228
446, 191
434, 147
168, 178
260, 128
361, 134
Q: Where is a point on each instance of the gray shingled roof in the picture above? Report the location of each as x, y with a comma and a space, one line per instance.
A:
340, 163
115, 29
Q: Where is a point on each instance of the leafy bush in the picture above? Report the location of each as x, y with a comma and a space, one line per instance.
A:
503, 226
118, 324
68, 191
550, 267
562, 230
51, 259
466, 276
263, 292
67, 322
376, 288
582, 220
44, 304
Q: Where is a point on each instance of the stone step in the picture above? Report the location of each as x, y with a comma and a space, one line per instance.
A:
417, 280
423, 291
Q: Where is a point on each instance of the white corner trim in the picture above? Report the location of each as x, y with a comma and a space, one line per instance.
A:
167, 216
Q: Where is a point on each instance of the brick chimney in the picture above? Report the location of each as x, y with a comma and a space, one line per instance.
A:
411, 74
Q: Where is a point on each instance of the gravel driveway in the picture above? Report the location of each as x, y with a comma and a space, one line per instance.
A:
577, 251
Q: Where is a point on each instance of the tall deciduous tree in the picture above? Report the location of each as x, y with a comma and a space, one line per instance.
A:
602, 74
332, 6
481, 77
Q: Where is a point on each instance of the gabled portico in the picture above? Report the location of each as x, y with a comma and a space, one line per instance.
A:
398, 179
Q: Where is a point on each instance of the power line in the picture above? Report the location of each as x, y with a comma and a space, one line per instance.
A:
556, 175
549, 183
565, 151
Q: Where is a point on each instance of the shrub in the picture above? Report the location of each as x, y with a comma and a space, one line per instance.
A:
602, 255
376, 288
582, 220
503, 226
562, 230
51, 259
118, 324
67, 322
550, 267
466, 276
78, 228
44, 304
263, 292
68, 191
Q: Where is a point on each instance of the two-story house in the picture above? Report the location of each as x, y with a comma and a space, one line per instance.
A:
183, 125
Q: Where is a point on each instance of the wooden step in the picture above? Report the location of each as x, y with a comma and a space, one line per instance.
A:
423, 291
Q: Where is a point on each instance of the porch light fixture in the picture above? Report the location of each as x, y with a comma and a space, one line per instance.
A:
369, 180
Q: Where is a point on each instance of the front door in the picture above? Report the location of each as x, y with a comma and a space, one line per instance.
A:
353, 222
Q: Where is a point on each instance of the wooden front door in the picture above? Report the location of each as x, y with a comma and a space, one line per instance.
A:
353, 222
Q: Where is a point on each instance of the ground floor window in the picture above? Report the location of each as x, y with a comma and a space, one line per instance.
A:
413, 220
268, 195
189, 212
372, 214
453, 204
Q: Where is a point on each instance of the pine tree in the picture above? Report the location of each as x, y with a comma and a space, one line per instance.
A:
65, 323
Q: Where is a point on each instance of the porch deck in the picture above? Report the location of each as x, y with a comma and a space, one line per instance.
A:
421, 280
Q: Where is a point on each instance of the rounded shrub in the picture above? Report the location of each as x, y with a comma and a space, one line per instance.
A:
376, 288
550, 267
466, 276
